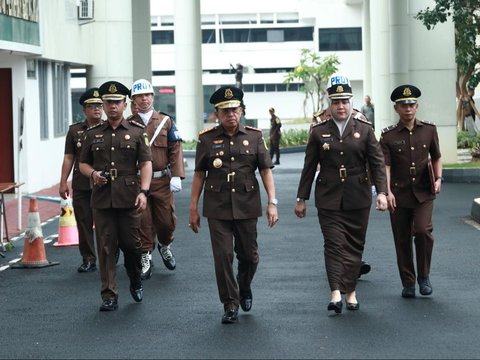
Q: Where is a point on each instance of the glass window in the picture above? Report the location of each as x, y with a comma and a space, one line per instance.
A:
208, 36
275, 35
248, 88
162, 37
287, 18
340, 39
259, 88
60, 74
43, 91
263, 35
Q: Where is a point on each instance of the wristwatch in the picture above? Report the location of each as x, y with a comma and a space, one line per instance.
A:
145, 192
300, 200
273, 202
439, 178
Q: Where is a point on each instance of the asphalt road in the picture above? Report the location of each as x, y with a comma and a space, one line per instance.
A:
53, 312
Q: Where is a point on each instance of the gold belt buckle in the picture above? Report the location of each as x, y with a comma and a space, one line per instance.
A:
412, 170
113, 173
343, 173
230, 176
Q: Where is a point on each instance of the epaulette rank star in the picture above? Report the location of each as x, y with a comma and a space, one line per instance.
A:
321, 122
94, 126
137, 123
207, 130
387, 129
252, 128
427, 122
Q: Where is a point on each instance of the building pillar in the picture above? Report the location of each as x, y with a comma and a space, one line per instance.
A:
188, 69
141, 40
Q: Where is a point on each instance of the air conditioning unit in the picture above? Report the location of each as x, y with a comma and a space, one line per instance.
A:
85, 9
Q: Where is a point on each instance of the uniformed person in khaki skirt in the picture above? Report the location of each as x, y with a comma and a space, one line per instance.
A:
112, 154
345, 148
226, 160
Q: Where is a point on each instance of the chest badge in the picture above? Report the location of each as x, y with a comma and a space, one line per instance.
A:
217, 163
245, 142
356, 135
127, 137
326, 146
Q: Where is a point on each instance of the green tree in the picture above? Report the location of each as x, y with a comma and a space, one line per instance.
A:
465, 15
313, 71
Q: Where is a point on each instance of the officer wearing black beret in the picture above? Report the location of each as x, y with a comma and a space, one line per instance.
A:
413, 181
112, 154
92, 108
226, 159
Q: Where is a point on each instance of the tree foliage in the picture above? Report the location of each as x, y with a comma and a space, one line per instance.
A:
465, 15
313, 71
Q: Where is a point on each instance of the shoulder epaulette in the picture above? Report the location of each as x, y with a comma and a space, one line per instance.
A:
170, 116
75, 124
252, 128
207, 130
94, 126
133, 122
427, 122
130, 117
363, 120
387, 129
321, 122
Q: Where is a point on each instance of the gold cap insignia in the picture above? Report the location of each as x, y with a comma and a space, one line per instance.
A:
112, 89
228, 94
339, 89
407, 92
326, 146
245, 142
96, 94
217, 163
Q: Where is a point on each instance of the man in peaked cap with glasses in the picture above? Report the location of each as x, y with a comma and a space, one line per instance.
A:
226, 159
82, 192
414, 173
346, 150
112, 154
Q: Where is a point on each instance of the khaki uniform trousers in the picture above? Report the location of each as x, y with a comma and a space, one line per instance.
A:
408, 223
84, 219
227, 237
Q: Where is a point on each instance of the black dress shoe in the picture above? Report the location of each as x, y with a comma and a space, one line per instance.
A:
137, 293
335, 306
230, 316
364, 268
87, 267
353, 306
408, 292
246, 302
109, 305
425, 285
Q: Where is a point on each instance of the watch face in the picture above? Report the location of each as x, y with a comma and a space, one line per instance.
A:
274, 201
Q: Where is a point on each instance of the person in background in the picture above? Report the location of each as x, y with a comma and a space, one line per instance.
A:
275, 135
345, 147
159, 220
82, 192
112, 153
409, 147
226, 159
368, 109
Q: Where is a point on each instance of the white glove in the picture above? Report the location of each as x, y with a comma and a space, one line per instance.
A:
175, 184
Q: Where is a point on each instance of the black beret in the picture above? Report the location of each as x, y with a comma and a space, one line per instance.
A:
91, 96
227, 97
406, 94
113, 90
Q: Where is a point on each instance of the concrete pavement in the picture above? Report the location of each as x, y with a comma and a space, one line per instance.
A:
53, 312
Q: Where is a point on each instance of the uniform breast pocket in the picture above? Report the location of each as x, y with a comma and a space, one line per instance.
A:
213, 186
251, 186
161, 140
97, 147
128, 145
247, 151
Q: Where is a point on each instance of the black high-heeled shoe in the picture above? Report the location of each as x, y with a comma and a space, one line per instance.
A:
335, 306
353, 306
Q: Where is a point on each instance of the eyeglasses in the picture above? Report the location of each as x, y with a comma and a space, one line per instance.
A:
93, 106
236, 110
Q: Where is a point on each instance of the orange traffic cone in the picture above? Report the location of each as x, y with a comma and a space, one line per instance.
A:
67, 225
34, 255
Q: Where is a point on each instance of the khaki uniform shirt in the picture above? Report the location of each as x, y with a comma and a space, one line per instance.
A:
231, 187
73, 145
343, 181
166, 147
407, 153
117, 151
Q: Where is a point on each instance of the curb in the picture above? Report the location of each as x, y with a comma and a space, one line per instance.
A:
476, 210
